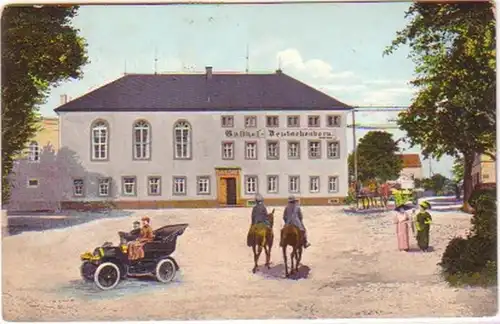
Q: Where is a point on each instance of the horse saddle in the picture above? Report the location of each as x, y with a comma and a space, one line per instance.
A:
256, 229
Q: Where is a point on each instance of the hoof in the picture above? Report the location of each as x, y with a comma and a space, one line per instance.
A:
254, 270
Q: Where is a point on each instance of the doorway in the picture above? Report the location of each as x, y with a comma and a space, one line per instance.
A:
231, 191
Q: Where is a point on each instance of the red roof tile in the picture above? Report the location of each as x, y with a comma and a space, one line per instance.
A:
411, 160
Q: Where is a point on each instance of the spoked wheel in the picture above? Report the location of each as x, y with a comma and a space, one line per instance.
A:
165, 270
87, 271
107, 276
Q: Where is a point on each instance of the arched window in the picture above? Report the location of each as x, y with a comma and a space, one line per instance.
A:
100, 140
182, 140
34, 151
142, 140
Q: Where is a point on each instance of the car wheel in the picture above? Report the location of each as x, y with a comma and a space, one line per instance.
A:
87, 271
107, 276
165, 270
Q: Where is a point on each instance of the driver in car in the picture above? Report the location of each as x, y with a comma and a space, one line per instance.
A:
136, 248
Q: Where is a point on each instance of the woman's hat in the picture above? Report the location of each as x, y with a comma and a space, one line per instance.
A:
425, 204
146, 218
292, 198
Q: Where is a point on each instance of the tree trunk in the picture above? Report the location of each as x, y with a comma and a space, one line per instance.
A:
468, 162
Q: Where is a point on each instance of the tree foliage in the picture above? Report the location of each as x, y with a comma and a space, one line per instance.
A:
40, 49
454, 110
377, 157
458, 170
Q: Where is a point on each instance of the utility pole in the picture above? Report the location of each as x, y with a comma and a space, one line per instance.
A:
355, 155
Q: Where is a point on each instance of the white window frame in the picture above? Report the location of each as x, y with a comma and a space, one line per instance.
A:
333, 120
335, 180
297, 184
273, 121
250, 121
273, 146
289, 150
227, 150
315, 118
100, 140
129, 186
32, 186
76, 192
227, 121
179, 186
154, 181
333, 154
182, 143
251, 187
293, 117
142, 147
270, 180
34, 152
100, 185
310, 146
314, 184
205, 181
248, 150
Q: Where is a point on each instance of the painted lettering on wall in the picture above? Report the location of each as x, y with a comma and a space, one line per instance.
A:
280, 133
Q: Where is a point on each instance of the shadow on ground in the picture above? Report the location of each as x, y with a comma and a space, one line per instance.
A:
42, 222
278, 272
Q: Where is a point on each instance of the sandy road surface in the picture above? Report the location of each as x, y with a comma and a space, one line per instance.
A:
355, 271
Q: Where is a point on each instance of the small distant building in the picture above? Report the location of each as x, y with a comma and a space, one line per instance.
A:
483, 170
31, 180
412, 167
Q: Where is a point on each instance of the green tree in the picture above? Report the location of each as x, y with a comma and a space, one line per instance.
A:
40, 49
454, 110
458, 169
377, 157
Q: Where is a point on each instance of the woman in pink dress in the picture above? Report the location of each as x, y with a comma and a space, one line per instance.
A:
402, 221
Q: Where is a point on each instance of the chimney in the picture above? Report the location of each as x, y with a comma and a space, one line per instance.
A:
64, 99
209, 72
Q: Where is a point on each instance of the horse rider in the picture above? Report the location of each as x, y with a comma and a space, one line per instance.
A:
136, 248
259, 211
293, 215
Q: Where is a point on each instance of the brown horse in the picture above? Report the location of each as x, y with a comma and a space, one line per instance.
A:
261, 237
291, 236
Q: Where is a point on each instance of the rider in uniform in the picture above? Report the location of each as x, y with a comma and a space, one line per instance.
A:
293, 215
259, 217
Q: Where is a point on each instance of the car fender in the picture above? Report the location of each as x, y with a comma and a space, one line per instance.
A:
119, 264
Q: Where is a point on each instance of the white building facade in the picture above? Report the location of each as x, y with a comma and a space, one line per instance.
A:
205, 157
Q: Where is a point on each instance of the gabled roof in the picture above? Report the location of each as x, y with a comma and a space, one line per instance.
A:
198, 92
411, 160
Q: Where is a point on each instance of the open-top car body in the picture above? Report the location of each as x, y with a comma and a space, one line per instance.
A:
108, 264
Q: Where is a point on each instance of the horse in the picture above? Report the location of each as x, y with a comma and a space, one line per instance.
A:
291, 236
261, 237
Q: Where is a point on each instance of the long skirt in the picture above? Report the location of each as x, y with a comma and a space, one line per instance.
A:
135, 250
402, 235
423, 237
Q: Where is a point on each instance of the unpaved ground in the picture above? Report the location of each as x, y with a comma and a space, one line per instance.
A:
355, 271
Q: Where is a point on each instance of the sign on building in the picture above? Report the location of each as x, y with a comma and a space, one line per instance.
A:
267, 133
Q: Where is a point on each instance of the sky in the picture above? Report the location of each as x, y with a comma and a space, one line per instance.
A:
334, 47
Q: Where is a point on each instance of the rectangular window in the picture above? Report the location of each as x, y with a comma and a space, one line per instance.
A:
293, 150
227, 150
272, 184
333, 121
314, 149
78, 187
104, 187
313, 121
227, 121
33, 183
293, 121
203, 185
273, 150
294, 184
179, 186
251, 184
154, 186
251, 150
250, 121
314, 184
272, 121
333, 150
129, 186
333, 184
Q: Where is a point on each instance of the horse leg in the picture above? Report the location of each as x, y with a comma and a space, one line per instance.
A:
286, 262
292, 256
299, 257
268, 256
256, 257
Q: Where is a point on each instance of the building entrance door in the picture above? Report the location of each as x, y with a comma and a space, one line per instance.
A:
231, 191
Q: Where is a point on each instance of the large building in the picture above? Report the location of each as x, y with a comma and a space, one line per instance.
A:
204, 140
412, 166
32, 183
483, 170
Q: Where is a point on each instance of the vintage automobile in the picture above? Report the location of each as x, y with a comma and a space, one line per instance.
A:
108, 264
